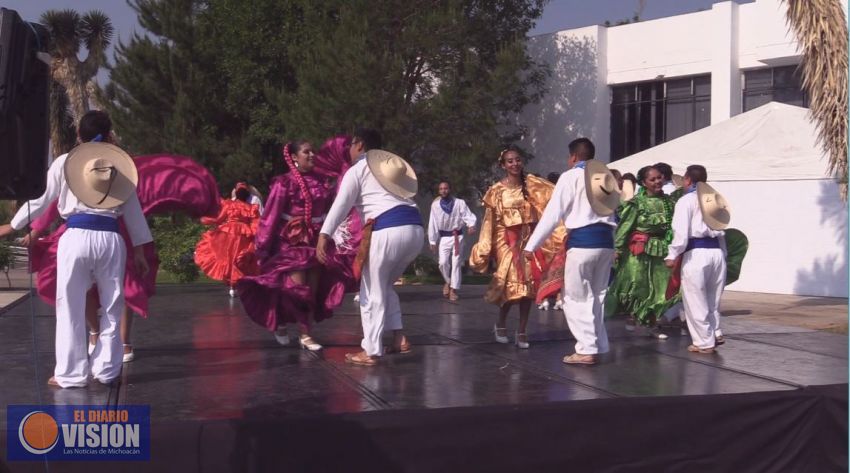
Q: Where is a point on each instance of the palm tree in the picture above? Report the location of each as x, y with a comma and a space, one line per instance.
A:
71, 87
821, 30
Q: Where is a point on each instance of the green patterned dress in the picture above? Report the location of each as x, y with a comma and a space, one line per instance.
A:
641, 241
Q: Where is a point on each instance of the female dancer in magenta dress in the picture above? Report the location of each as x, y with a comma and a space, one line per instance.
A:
167, 184
292, 286
220, 248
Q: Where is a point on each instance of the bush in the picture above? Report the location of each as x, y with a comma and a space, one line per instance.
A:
423, 266
6, 260
176, 239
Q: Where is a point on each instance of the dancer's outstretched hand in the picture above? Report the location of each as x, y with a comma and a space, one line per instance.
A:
321, 255
140, 261
6, 230
470, 230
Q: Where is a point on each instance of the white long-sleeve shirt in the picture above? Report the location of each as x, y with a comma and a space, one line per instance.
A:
68, 204
441, 221
359, 188
687, 224
569, 204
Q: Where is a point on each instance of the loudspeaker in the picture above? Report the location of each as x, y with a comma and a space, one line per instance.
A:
24, 102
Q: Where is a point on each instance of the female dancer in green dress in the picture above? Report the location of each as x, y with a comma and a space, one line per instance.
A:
641, 240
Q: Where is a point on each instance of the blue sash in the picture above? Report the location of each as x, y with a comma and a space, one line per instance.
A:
704, 242
398, 216
597, 235
100, 223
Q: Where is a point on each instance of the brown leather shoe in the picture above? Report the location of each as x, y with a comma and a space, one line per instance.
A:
578, 359
360, 358
453, 295
696, 349
446, 290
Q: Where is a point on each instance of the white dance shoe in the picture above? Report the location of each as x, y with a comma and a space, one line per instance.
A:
128, 357
308, 343
559, 305
544, 305
501, 334
521, 342
232, 292
281, 339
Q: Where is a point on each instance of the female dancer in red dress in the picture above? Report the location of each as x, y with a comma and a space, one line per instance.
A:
220, 248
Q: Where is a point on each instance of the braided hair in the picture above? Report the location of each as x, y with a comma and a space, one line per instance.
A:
516, 150
288, 149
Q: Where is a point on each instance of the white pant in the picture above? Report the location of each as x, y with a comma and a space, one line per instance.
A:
450, 263
678, 311
586, 277
83, 257
703, 278
391, 250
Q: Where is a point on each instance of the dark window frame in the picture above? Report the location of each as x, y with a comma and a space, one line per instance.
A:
772, 89
631, 134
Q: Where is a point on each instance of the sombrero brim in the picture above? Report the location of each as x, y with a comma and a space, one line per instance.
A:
715, 217
678, 181
404, 186
606, 202
124, 185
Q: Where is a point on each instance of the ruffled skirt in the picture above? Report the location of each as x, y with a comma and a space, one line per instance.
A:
272, 299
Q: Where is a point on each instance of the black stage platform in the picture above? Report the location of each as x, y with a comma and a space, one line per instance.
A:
225, 397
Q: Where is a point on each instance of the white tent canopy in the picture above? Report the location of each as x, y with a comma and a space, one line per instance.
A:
773, 142
767, 164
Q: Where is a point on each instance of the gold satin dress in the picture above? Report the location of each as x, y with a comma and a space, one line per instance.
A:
509, 220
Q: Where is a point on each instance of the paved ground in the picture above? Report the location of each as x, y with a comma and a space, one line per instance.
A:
199, 357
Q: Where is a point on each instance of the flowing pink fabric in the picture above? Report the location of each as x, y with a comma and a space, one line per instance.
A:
272, 298
167, 183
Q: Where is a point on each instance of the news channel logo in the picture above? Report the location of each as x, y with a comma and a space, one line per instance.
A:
78, 432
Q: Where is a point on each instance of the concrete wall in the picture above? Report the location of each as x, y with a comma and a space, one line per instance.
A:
798, 236
585, 62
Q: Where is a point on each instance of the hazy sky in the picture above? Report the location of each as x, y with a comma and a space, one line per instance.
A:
558, 15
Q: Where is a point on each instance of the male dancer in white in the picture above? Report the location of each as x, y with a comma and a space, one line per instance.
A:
590, 251
448, 217
703, 253
396, 239
90, 251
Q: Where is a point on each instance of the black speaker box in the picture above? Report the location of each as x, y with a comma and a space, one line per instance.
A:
24, 126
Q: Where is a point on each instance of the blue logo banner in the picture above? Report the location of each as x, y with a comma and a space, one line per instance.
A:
78, 433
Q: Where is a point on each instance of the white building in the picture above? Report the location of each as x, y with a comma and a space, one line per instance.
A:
634, 86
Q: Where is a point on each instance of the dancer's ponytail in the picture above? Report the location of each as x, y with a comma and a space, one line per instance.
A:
305, 193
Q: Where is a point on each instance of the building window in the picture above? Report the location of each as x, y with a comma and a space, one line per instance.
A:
649, 113
776, 84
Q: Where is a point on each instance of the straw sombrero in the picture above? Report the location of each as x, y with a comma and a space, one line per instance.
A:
628, 191
678, 181
101, 175
394, 174
715, 209
601, 186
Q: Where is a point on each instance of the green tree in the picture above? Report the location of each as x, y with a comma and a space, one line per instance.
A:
442, 79
72, 81
164, 94
228, 81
